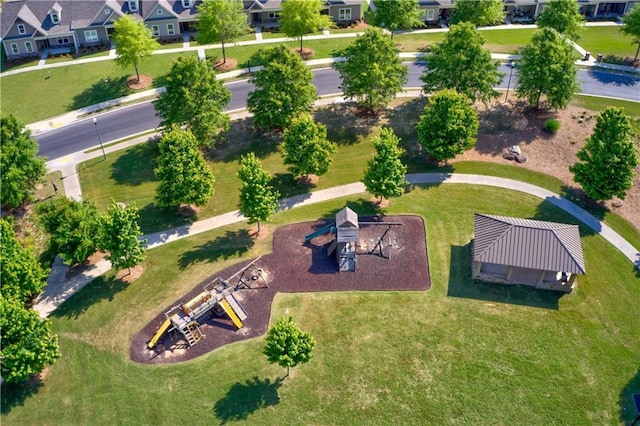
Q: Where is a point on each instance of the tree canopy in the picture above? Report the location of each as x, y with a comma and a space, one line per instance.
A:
287, 345
134, 42
305, 147
606, 163
385, 174
221, 21
300, 17
448, 126
283, 90
397, 14
183, 172
194, 98
461, 63
372, 72
21, 168
563, 16
547, 68
258, 199
120, 236
631, 27
478, 12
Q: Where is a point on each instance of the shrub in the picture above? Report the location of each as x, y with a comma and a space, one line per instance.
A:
552, 126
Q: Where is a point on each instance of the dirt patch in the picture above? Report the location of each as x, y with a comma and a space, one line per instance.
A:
308, 180
145, 82
398, 263
129, 276
228, 65
305, 53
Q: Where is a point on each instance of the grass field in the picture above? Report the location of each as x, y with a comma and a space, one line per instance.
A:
459, 353
606, 40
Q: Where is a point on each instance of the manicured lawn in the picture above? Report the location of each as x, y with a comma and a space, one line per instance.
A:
462, 352
606, 40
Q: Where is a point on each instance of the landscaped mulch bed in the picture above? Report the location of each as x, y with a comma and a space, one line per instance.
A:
296, 266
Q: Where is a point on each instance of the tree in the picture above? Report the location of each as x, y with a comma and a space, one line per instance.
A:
461, 63
606, 162
258, 199
194, 98
134, 42
305, 147
73, 226
185, 177
397, 14
284, 88
21, 276
372, 72
385, 173
478, 12
27, 342
547, 68
563, 16
448, 126
221, 21
22, 169
631, 27
300, 17
120, 236
287, 345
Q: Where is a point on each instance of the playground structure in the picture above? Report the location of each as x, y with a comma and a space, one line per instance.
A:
216, 298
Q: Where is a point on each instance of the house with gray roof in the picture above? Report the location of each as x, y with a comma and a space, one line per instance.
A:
541, 254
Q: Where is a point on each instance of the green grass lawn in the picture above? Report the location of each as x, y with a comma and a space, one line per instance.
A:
606, 40
461, 352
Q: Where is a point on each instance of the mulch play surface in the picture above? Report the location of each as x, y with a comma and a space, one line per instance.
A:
296, 266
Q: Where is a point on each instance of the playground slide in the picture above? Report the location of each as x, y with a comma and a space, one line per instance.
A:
232, 315
321, 231
163, 328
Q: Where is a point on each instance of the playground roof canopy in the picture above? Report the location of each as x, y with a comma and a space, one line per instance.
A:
346, 218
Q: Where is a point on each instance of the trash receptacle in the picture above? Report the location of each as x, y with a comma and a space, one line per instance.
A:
587, 55
599, 57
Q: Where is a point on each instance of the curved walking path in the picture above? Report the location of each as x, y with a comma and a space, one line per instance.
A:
60, 289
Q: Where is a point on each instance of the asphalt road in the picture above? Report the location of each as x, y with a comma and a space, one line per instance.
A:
122, 122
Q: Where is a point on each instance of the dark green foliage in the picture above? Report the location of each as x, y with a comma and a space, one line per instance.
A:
221, 21
385, 174
258, 199
185, 176
21, 276
397, 14
134, 42
300, 17
283, 90
547, 68
563, 16
606, 163
305, 147
194, 98
73, 226
461, 63
448, 126
119, 235
287, 345
551, 126
372, 73
631, 27
480, 13
21, 168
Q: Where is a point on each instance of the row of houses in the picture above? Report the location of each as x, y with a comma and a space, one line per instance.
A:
27, 27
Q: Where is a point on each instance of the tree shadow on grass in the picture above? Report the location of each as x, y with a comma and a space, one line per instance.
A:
136, 165
232, 243
241, 138
101, 288
343, 126
404, 119
628, 410
462, 285
15, 394
288, 185
365, 209
243, 399
100, 91
154, 218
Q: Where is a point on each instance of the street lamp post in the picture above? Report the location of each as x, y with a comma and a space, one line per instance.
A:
95, 122
512, 64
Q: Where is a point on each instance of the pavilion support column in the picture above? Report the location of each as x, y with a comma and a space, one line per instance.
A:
477, 267
542, 274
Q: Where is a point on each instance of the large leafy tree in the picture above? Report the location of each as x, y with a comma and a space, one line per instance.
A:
631, 27
461, 63
563, 16
547, 68
305, 147
21, 276
287, 345
73, 226
300, 17
194, 98
448, 126
385, 174
397, 14
134, 42
283, 90
372, 72
478, 12
185, 177
21, 169
258, 199
120, 236
221, 21
606, 163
